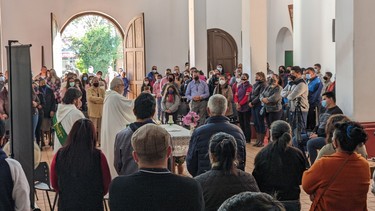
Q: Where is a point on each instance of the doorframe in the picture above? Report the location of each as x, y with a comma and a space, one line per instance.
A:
232, 40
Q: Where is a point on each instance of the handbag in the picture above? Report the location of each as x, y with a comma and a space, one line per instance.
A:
317, 198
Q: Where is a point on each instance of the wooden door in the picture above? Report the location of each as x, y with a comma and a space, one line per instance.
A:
222, 49
135, 54
56, 45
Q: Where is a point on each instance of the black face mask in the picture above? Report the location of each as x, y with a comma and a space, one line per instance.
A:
43, 86
170, 80
293, 77
196, 78
325, 78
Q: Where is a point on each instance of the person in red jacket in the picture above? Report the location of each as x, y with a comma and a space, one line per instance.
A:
80, 172
241, 99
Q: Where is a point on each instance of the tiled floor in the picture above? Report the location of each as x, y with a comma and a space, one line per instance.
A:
251, 153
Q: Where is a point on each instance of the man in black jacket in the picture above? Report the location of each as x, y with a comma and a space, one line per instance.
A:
197, 159
154, 187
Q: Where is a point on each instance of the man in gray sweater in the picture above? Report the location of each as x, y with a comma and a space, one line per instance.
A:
297, 94
144, 110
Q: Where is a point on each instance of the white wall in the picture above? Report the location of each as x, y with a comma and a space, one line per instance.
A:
355, 59
166, 25
313, 33
284, 42
278, 18
226, 15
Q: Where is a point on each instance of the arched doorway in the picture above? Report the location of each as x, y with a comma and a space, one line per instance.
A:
284, 47
221, 49
133, 44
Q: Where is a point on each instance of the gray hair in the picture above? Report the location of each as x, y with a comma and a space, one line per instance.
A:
218, 105
115, 82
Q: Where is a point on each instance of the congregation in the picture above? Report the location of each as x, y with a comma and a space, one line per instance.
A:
109, 144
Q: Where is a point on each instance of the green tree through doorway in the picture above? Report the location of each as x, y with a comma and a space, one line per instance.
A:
91, 40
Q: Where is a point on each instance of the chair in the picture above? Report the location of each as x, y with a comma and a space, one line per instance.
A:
42, 182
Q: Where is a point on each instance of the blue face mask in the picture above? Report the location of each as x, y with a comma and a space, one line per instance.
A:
85, 78
308, 76
324, 103
170, 91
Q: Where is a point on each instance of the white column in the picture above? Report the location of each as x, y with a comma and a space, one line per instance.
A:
312, 41
258, 36
198, 34
355, 58
246, 56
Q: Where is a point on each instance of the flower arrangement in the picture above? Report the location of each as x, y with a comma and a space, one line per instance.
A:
191, 119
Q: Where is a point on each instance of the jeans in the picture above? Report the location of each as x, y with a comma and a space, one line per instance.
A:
244, 118
258, 120
273, 116
301, 145
313, 145
35, 123
158, 100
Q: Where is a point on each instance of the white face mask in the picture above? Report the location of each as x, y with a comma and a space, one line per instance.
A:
222, 82
219, 68
238, 80
146, 82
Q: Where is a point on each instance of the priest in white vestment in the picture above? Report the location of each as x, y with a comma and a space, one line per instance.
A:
117, 114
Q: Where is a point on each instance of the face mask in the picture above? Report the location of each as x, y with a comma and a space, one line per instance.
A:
170, 92
96, 84
196, 78
308, 76
222, 82
170, 80
272, 81
219, 68
85, 78
146, 82
153, 70
325, 78
243, 79
2, 78
238, 80
71, 84
43, 86
324, 103
35, 89
158, 80
293, 77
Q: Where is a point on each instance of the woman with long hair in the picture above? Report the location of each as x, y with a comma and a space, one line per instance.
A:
271, 99
170, 102
256, 106
224, 89
278, 167
224, 179
79, 171
79, 85
146, 83
54, 83
70, 82
340, 181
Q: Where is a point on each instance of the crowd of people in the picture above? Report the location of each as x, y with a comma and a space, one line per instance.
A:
105, 143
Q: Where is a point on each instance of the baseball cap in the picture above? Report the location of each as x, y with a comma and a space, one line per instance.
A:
150, 140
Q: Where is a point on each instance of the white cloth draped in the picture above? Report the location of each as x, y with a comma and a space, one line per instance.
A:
117, 114
67, 114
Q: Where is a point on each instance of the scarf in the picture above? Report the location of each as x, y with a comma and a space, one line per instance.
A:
170, 98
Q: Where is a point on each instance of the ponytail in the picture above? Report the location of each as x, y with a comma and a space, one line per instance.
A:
349, 135
281, 135
223, 148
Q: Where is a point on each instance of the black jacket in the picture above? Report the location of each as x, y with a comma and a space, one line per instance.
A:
50, 101
197, 160
258, 88
218, 186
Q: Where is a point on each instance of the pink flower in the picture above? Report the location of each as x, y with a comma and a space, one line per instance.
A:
191, 119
